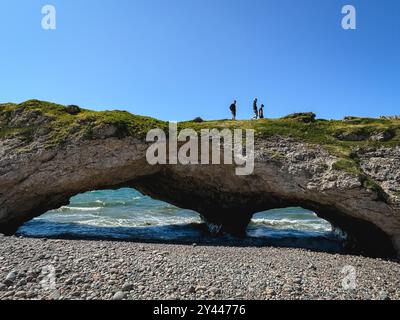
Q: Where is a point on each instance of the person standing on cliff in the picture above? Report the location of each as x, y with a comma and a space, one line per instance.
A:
261, 112
255, 109
233, 110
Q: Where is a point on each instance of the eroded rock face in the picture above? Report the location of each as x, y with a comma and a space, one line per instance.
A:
35, 178
374, 136
287, 173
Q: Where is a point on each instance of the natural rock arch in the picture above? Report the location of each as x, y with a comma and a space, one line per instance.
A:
36, 177
35, 182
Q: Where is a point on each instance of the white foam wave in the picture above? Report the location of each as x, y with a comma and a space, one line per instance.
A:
132, 222
304, 224
85, 209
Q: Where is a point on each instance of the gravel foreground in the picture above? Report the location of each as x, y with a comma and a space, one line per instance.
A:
111, 270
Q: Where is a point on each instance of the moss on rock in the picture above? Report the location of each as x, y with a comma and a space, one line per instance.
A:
56, 124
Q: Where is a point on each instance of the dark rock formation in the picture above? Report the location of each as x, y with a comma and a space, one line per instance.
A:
363, 136
72, 109
305, 117
198, 120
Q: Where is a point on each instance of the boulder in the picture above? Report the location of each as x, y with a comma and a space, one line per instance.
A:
72, 110
305, 117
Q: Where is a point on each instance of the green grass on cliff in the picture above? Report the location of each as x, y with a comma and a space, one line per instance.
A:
320, 132
325, 134
61, 125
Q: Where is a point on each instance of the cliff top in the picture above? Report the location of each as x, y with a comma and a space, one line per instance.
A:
34, 118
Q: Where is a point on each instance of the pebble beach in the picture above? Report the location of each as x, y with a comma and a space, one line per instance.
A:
32, 269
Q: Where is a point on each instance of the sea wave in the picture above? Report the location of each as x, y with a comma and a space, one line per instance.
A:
107, 203
143, 222
85, 209
303, 224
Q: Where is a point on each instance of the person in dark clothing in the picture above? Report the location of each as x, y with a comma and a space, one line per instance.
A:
255, 108
233, 110
261, 112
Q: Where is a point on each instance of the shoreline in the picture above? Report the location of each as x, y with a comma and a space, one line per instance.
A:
316, 242
106, 270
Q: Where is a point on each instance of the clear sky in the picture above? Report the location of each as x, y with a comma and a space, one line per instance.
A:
178, 59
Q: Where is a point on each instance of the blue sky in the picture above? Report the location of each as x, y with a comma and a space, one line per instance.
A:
178, 59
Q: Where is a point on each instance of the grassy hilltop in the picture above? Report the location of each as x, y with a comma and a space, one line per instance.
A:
57, 122
340, 134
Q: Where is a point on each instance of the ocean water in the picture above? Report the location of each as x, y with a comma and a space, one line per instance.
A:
128, 215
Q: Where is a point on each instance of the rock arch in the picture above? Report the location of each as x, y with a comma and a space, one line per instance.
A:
36, 180
48, 155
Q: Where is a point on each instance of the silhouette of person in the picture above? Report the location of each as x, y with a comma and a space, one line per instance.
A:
233, 110
261, 112
255, 108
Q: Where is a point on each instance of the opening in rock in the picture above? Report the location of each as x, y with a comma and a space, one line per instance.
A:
296, 227
128, 215
115, 214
